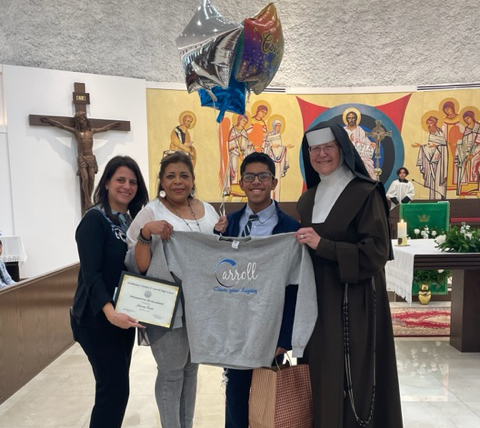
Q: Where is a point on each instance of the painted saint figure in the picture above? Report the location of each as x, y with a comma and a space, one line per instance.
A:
274, 148
365, 147
180, 138
86, 161
258, 131
468, 153
453, 132
433, 159
238, 148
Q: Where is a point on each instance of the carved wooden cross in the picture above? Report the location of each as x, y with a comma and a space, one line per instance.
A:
83, 129
80, 100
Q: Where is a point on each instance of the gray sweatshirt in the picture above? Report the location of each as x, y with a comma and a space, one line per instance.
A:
234, 292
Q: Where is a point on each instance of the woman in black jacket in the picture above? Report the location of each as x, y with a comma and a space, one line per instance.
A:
105, 335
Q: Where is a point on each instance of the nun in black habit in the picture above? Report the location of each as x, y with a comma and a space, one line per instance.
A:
351, 353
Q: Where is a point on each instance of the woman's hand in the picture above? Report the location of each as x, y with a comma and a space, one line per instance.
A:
159, 227
120, 320
222, 224
124, 321
306, 235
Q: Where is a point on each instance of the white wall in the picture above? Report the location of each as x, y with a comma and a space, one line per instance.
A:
6, 212
45, 189
328, 43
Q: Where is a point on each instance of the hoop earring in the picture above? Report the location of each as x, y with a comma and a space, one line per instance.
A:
193, 193
162, 193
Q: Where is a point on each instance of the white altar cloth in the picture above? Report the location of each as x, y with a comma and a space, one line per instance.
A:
399, 272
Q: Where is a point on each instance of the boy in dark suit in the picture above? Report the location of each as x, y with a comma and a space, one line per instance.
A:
261, 216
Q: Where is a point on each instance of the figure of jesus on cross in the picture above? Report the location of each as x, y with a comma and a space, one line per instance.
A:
86, 161
83, 129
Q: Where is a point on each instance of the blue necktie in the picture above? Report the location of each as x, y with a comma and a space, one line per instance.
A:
248, 227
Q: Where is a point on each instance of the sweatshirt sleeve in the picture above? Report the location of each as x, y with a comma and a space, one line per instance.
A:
306, 311
286, 328
176, 254
91, 238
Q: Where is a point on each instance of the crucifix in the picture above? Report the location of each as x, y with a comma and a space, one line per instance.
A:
378, 133
83, 129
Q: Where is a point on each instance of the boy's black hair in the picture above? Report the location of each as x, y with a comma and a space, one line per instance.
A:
260, 158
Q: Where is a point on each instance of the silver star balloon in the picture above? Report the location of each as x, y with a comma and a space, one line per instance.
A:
207, 48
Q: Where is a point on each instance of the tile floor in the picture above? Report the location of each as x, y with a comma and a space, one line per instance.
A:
440, 388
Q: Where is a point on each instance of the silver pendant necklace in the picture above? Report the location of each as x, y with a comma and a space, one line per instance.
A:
185, 221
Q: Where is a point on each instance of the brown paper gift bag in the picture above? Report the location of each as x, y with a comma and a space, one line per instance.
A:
281, 398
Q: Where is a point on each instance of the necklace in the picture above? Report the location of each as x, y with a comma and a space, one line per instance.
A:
185, 221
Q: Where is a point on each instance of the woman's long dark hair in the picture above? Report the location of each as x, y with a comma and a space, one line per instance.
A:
100, 196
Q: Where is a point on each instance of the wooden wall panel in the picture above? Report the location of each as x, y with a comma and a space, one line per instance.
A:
34, 326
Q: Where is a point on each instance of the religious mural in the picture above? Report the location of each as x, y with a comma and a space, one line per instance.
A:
180, 139
436, 135
261, 130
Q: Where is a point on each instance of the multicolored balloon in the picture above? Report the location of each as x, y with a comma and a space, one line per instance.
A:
207, 48
225, 99
260, 49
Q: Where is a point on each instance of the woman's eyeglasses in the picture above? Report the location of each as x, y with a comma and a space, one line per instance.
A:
249, 177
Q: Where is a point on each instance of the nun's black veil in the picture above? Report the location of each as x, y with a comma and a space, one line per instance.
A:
351, 158
350, 155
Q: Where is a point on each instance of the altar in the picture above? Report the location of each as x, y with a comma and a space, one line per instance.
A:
14, 254
465, 309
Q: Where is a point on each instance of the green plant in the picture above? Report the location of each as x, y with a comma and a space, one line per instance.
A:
431, 276
463, 240
435, 280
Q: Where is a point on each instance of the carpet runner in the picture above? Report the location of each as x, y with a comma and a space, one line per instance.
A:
420, 321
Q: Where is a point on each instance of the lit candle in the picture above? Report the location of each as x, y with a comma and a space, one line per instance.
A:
401, 229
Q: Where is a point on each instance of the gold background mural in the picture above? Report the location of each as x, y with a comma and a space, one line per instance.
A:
435, 156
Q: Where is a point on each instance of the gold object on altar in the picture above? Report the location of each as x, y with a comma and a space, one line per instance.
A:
425, 294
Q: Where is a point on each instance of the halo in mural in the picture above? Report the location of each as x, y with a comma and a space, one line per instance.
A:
188, 113
275, 117
449, 100
235, 118
474, 110
350, 110
432, 113
259, 103
392, 148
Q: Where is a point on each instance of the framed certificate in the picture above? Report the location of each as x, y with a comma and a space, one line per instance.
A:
148, 300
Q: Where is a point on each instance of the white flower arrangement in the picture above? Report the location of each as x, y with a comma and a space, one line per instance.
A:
465, 240
425, 233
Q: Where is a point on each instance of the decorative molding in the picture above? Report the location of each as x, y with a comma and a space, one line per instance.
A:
350, 90
308, 90
448, 86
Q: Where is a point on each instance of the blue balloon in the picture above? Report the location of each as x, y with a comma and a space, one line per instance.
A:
227, 99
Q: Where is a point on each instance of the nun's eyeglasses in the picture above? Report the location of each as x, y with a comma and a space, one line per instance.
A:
326, 148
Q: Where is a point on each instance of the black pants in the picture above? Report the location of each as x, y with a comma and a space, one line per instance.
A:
237, 395
109, 351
